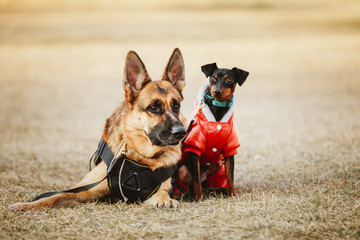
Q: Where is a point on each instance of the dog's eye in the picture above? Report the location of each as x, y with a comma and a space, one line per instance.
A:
228, 80
176, 108
154, 108
212, 80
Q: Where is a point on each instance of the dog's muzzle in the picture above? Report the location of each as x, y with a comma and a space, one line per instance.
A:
167, 135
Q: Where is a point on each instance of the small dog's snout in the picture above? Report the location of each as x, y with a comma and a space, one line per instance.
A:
217, 92
178, 132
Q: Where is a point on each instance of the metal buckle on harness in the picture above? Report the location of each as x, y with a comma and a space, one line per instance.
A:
123, 150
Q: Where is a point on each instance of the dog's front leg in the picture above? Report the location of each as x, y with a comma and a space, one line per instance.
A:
229, 171
195, 172
161, 198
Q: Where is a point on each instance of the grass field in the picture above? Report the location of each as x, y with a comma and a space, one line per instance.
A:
297, 173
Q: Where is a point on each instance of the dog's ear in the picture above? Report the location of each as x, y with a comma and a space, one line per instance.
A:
240, 75
135, 76
175, 70
209, 69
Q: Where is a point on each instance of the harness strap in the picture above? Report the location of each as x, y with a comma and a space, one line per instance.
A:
103, 153
159, 175
180, 187
120, 183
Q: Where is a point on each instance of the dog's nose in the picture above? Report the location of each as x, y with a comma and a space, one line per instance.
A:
178, 131
217, 92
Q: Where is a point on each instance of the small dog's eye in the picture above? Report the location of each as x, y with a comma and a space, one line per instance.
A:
228, 80
213, 80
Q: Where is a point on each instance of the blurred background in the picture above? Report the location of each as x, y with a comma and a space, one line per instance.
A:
61, 65
297, 115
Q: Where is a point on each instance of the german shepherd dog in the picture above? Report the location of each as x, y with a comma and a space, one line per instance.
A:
149, 122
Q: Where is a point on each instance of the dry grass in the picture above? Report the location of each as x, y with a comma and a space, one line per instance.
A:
298, 169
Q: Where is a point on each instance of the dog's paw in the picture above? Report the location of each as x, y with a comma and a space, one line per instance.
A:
233, 195
162, 201
168, 203
20, 207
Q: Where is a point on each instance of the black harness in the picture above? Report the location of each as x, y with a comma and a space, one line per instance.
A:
128, 180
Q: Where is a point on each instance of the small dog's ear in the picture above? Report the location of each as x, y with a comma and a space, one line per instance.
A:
135, 76
175, 70
240, 75
209, 69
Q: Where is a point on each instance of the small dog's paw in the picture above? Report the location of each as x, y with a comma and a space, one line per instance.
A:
233, 195
200, 198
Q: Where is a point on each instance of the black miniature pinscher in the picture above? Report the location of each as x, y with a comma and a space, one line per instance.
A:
219, 96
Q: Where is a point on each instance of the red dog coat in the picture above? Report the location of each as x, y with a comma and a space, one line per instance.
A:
212, 140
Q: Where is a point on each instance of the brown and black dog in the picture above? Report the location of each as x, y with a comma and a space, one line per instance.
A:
149, 122
212, 141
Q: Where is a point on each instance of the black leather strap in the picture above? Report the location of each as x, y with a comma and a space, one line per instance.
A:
146, 179
103, 153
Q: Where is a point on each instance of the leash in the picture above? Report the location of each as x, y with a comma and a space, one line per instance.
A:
114, 160
200, 106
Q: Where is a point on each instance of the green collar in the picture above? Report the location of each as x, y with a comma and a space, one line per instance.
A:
209, 99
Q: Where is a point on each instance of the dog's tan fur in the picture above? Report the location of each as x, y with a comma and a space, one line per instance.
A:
130, 123
226, 95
